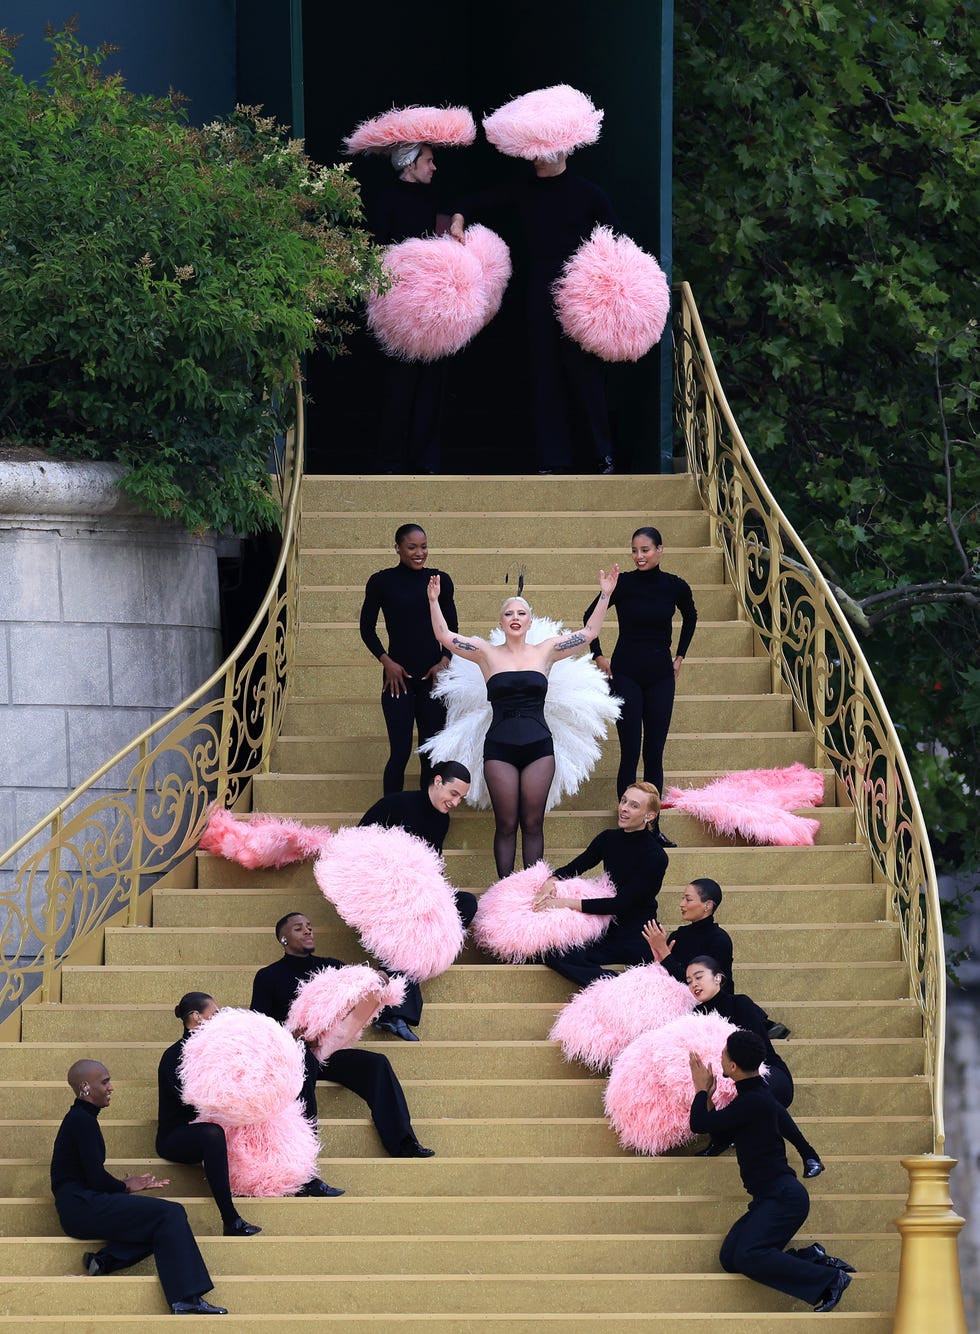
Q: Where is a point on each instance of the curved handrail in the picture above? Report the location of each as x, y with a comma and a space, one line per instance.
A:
87, 859
813, 652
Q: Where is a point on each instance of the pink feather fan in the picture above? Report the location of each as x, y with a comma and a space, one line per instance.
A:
546, 123
650, 1089
757, 804
507, 927
273, 1157
440, 127
389, 886
612, 297
262, 841
493, 256
602, 1020
240, 1067
321, 1009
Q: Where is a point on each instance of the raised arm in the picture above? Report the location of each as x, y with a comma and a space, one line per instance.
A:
470, 646
563, 645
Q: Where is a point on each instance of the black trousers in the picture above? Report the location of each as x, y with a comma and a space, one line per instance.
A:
403, 714
584, 964
567, 385
135, 1226
370, 1076
411, 1007
755, 1245
203, 1142
413, 396
643, 725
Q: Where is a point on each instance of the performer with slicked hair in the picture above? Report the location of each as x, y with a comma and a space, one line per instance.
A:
92, 1202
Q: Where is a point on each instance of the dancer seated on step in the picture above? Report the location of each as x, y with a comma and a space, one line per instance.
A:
182, 1139
700, 935
705, 981
518, 753
93, 1203
366, 1073
426, 815
635, 861
757, 1125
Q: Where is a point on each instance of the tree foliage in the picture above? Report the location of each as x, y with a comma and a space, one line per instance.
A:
160, 282
827, 197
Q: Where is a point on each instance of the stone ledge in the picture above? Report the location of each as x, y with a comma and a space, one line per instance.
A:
49, 488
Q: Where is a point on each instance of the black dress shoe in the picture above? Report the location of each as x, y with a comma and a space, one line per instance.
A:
776, 1030
411, 1148
398, 1027
818, 1255
241, 1229
197, 1307
606, 465
92, 1265
714, 1149
812, 1167
320, 1189
838, 1286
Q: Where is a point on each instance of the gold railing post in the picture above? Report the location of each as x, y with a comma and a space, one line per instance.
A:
930, 1295
50, 972
821, 670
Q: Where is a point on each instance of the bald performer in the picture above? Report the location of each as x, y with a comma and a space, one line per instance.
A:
93, 1203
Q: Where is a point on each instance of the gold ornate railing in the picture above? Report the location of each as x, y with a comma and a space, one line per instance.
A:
813, 653
94, 853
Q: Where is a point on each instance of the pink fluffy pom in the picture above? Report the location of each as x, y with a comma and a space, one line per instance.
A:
262, 841
494, 259
544, 124
389, 886
240, 1067
650, 1089
437, 301
321, 1009
612, 297
757, 803
274, 1157
507, 927
602, 1020
442, 127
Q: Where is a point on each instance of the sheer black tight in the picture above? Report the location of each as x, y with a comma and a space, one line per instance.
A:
519, 797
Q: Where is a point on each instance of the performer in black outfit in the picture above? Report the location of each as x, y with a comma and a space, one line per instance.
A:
426, 815
700, 935
518, 755
93, 1203
366, 1073
758, 1125
178, 1139
412, 659
636, 863
642, 672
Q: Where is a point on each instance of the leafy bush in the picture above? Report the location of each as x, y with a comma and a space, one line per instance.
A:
160, 282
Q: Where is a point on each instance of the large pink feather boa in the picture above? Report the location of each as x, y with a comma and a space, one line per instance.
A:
273, 1157
757, 803
321, 1009
261, 841
650, 1090
601, 1021
389, 886
507, 927
241, 1067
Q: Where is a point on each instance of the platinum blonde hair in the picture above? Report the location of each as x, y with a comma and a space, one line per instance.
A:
516, 598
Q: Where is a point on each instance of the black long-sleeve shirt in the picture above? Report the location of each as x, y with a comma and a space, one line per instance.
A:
401, 595
413, 812
636, 864
743, 1012
645, 601
404, 209
694, 939
172, 1111
78, 1156
757, 1126
274, 986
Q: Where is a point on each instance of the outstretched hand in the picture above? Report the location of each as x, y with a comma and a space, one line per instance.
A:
145, 1181
607, 582
434, 587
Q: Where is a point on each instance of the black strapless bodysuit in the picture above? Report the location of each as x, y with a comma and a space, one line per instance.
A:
518, 733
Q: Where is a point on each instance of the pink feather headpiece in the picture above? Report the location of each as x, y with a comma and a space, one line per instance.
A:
441, 127
548, 123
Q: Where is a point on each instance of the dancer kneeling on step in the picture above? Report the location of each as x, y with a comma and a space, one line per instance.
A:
757, 1125
366, 1073
635, 861
91, 1202
426, 815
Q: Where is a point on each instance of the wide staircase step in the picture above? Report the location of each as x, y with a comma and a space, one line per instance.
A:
532, 1216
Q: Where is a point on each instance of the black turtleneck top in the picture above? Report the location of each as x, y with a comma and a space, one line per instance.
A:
275, 986
704, 937
757, 1126
401, 595
413, 812
78, 1157
172, 1111
645, 601
636, 864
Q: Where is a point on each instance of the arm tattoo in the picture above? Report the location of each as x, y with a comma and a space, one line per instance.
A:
602, 597
573, 641
462, 644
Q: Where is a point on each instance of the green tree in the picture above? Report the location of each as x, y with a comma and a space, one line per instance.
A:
827, 192
160, 282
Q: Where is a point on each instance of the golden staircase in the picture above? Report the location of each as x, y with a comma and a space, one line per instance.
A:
531, 1215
